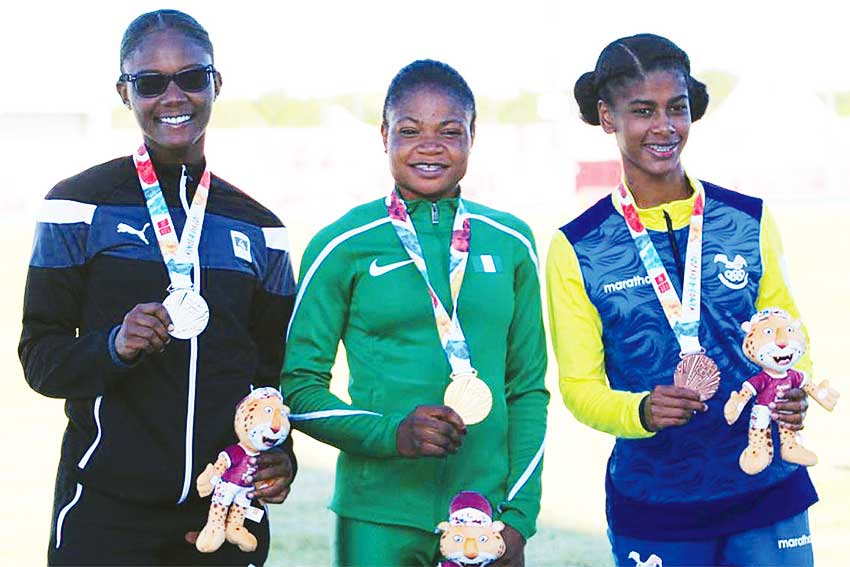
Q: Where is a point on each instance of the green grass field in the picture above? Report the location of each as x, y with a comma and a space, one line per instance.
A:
572, 522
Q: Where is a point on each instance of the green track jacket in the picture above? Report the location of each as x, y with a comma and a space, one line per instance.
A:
358, 285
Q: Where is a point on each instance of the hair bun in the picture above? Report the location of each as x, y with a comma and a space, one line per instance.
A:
698, 95
587, 97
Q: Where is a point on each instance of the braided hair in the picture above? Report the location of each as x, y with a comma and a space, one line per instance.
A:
633, 58
428, 73
163, 20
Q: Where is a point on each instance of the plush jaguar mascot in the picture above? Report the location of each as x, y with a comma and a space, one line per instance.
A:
261, 422
774, 341
470, 537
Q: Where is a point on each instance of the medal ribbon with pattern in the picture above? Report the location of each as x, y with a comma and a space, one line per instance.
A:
683, 317
451, 335
178, 255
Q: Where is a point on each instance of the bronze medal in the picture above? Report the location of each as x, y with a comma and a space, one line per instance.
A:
698, 372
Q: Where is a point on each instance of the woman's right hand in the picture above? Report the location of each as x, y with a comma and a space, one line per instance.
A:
668, 406
430, 431
145, 329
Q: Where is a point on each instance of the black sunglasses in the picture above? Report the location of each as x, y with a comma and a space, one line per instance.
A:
149, 85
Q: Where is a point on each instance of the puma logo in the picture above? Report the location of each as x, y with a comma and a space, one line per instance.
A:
123, 227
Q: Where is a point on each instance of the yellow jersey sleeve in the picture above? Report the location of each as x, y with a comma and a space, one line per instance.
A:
774, 287
576, 331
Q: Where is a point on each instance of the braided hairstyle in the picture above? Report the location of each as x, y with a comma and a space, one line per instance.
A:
163, 20
427, 73
629, 59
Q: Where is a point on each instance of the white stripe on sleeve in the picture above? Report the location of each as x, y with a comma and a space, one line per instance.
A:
62, 211
60, 519
96, 411
277, 238
329, 413
305, 281
529, 470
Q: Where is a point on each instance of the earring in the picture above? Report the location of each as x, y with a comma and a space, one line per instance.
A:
127, 103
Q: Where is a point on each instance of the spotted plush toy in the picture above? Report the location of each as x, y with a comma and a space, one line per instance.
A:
470, 537
261, 422
774, 341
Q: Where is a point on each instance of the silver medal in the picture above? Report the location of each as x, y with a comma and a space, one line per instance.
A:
189, 313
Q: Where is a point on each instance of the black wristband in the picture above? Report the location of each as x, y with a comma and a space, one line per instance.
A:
641, 407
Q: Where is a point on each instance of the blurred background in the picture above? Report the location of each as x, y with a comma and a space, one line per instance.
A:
296, 126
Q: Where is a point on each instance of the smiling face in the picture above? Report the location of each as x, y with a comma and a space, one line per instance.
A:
428, 136
651, 119
261, 422
173, 123
472, 545
774, 340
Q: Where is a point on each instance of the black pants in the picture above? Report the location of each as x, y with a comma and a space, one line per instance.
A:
99, 529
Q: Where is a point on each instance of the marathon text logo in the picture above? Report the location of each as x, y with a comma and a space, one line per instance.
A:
790, 543
634, 281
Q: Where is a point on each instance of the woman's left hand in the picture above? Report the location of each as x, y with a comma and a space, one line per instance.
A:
273, 477
274, 473
789, 410
514, 549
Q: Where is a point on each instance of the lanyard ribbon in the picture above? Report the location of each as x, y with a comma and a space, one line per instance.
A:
448, 328
683, 317
179, 256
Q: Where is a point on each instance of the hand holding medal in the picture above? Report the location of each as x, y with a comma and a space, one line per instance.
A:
430, 431
144, 330
669, 406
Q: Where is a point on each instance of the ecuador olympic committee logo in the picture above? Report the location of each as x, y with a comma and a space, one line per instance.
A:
733, 274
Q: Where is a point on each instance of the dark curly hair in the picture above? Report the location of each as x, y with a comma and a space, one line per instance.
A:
433, 74
162, 20
632, 58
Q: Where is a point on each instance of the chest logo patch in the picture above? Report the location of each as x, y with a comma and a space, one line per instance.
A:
375, 270
241, 245
126, 228
733, 274
651, 561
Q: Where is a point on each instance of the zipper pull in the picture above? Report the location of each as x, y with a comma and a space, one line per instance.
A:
435, 214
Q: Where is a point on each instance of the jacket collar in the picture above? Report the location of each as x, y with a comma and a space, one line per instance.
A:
679, 210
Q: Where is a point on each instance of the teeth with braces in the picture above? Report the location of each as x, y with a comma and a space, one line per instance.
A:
428, 166
660, 148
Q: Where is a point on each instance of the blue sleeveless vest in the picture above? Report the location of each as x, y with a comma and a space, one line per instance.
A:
679, 469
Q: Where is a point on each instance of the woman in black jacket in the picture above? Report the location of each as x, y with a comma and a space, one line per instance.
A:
151, 383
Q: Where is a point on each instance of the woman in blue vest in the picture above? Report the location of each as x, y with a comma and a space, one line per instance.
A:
619, 328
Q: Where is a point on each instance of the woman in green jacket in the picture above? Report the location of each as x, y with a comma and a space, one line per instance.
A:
378, 279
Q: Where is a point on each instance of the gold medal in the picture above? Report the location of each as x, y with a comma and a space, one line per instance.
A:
469, 396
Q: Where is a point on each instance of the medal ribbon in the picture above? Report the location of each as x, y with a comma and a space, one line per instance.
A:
683, 317
448, 328
179, 256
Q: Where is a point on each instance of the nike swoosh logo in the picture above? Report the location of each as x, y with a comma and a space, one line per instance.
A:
375, 270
